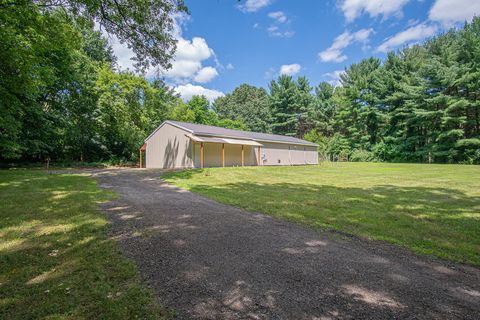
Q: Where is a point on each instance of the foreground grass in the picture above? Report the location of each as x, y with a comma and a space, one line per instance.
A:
432, 209
56, 261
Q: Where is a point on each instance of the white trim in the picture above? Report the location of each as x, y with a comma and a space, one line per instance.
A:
193, 137
242, 142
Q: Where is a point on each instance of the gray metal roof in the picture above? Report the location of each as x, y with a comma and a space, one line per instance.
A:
203, 130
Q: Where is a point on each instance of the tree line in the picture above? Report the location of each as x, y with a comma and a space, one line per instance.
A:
62, 96
421, 104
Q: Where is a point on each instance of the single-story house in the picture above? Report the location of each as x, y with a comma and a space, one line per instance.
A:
177, 144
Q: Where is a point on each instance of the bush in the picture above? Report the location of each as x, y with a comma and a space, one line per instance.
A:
469, 150
362, 155
335, 148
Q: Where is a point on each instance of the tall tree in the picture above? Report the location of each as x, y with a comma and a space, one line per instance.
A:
324, 109
305, 107
283, 95
37, 57
202, 111
361, 117
247, 104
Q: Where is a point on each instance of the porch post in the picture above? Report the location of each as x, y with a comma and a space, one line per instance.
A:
140, 164
243, 155
193, 153
258, 156
223, 154
201, 155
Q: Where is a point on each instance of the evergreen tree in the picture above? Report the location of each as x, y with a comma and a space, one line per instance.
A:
304, 107
283, 95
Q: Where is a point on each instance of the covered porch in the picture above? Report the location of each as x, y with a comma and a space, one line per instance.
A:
224, 152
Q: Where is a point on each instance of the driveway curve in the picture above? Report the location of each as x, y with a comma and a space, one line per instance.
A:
207, 260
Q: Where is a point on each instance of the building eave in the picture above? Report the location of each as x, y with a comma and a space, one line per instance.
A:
164, 123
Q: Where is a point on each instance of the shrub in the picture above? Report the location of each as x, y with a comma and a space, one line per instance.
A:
362, 155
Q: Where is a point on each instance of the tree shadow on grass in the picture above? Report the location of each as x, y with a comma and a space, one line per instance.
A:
440, 221
55, 257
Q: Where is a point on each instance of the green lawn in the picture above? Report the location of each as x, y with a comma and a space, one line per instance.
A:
56, 260
431, 209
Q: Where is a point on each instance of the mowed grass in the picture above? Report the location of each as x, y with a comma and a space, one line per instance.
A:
56, 260
431, 209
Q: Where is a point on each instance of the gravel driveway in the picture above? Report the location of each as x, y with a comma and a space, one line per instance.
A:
211, 261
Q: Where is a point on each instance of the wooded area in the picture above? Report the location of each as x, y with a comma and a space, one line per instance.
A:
63, 98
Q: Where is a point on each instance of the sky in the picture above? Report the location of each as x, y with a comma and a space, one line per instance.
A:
224, 43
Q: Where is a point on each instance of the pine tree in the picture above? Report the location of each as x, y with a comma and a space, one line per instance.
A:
283, 95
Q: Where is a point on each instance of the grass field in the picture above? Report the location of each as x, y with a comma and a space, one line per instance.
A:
431, 209
56, 261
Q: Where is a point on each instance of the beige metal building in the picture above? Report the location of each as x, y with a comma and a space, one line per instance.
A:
186, 145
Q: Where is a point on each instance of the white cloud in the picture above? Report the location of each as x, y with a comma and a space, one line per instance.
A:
206, 74
452, 11
230, 66
254, 5
362, 35
187, 63
412, 34
274, 31
196, 49
335, 53
188, 90
352, 9
334, 77
278, 16
183, 69
290, 69
278, 29
188, 59
332, 55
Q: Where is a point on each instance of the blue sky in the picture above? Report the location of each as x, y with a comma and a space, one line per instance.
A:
225, 43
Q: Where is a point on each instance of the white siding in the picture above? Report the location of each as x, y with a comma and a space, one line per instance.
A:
280, 154
169, 148
275, 154
311, 154
297, 154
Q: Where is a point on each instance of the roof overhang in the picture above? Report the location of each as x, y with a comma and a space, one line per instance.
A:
309, 144
223, 140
